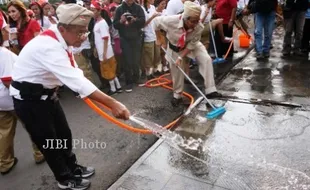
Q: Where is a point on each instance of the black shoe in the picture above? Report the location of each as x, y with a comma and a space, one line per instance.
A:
119, 90
83, 172
110, 92
128, 88
156, 74
74, 184
271, 46
259, 56
175, 102
266, 55
214, 95
150, 77
40, 161
286, 53
9, 170
299, 53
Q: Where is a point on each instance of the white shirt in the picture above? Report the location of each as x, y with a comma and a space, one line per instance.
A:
174, 7
203, 13
45, 61
242, 3
101, 31
7, 59
149, 32
85, 45
46, 23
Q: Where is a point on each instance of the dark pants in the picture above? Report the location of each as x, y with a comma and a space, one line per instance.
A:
131, 59
293, 23
221, 47
306, 36
46, 120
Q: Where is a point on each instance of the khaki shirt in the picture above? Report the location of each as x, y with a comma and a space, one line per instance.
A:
174, 25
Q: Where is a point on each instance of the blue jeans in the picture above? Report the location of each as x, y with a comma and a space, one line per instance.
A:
264, 22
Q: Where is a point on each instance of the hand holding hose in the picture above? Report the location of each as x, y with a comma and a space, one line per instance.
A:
120, 111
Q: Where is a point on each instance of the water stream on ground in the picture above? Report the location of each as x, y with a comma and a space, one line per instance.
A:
295, 179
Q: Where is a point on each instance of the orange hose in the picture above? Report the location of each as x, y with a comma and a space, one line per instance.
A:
231, 44
149, 84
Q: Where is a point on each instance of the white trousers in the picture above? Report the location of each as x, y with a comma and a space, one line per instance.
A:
205, 69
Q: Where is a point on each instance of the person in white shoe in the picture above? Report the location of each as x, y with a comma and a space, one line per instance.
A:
43, 65
104, 48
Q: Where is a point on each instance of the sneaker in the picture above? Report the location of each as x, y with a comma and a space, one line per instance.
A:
165, 69
175, 102
83, 172
128, 88
119, 90
9, 170
74, 184
110, 92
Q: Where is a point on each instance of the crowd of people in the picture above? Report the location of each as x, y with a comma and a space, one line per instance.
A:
45, 46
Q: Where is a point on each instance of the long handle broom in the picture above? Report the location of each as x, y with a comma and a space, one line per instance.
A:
217, 111
217, 59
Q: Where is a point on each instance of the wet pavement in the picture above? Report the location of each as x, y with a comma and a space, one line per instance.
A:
261, 142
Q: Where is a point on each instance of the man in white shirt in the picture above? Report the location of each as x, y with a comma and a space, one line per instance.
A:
43, 65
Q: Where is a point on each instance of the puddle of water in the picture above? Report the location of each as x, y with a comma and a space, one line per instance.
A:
176, 141
293, 179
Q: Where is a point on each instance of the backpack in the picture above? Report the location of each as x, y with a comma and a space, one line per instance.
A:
261, 6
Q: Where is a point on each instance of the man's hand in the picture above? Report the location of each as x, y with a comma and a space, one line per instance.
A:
231, 24
178, 62
156, 14
123, 19
133, 19
120, 111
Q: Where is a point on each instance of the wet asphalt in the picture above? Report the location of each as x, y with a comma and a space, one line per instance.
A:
261, 142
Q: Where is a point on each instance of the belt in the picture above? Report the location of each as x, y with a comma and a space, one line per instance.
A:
31, 91
175, 48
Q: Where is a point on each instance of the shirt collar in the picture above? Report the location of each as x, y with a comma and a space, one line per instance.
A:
61, 40
181, 23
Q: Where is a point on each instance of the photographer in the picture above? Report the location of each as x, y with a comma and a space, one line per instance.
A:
129, 20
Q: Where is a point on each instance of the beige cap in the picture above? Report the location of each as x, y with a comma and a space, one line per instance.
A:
191, 9
73, 14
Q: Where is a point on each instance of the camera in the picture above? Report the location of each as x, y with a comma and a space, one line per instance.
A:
128, 16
